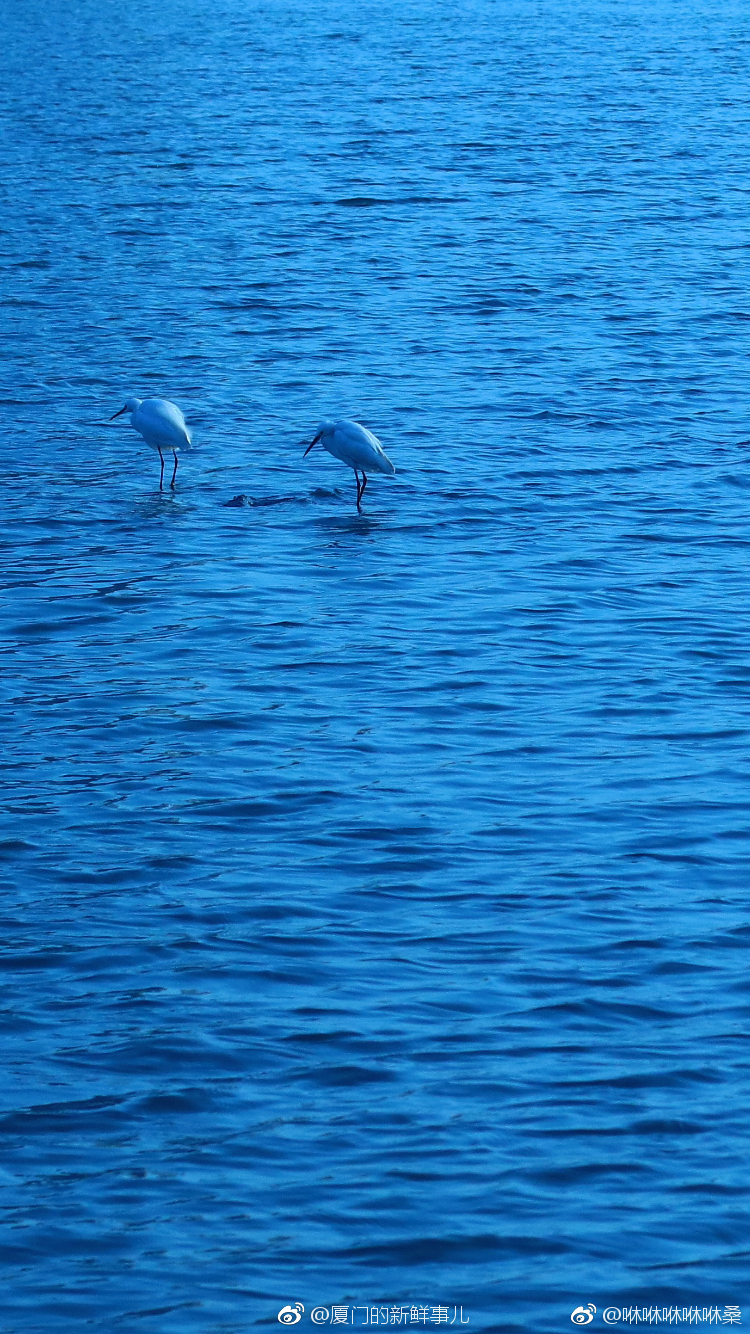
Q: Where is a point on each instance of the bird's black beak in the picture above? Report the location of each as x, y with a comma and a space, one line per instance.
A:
312, 442
119, 414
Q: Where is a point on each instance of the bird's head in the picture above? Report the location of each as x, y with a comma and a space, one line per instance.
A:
323, 429
132, 405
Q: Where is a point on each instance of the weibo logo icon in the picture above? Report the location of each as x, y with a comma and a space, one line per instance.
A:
290, 1315
583, 1315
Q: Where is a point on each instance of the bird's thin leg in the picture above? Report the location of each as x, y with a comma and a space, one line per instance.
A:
161, 474
174, 474
364, 484
356, 474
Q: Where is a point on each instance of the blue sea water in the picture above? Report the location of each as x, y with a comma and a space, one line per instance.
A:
375, 923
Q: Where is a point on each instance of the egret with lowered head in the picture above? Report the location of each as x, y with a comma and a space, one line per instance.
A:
162, 426
355, 446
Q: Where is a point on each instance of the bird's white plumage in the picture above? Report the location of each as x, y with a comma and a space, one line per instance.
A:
162, 426
354, 445
160, 422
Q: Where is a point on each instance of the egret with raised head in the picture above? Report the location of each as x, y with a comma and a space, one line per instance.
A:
162, 426
355, 446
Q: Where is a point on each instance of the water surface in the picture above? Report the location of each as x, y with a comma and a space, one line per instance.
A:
375, 899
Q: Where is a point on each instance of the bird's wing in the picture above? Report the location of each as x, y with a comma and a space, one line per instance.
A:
381, 459
354, 444
164, 419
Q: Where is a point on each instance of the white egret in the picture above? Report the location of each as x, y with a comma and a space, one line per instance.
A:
355, 446
162, 426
